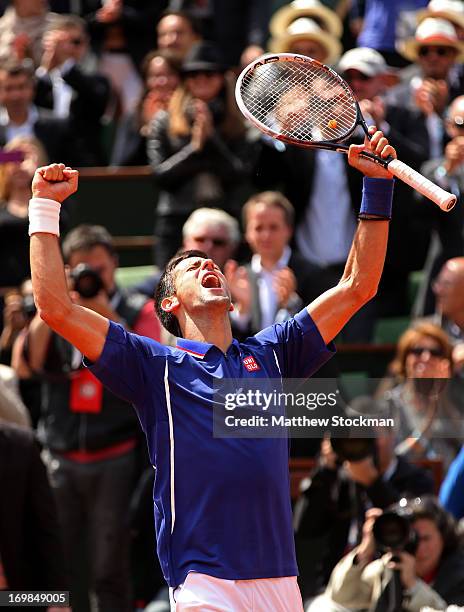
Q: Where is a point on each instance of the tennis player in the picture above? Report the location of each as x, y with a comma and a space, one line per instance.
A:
222, 506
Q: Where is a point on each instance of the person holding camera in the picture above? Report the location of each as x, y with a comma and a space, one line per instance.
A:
423, 399
410, 558
200, 149
90, 435
353, 475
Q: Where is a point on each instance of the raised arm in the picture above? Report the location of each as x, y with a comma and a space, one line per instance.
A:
363, 269
84, 328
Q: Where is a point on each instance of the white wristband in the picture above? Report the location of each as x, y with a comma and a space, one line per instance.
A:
44, 216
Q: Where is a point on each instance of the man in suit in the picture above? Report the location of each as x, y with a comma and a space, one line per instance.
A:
66, 89
448, 172
122, 33
20, 117
280, 280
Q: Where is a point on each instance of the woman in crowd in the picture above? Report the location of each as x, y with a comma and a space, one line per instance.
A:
428, 424
15, 192
16, 303
431, 570
161, 76
201, 151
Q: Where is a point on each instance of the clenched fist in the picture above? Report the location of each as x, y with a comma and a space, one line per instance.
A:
55, 182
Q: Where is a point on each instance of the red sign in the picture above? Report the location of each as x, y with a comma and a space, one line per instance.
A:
250, 364
86, 392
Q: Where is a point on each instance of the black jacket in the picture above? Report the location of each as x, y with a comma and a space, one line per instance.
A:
30, 545
59, 139
309, 287
138, 22
91, 93
218, 175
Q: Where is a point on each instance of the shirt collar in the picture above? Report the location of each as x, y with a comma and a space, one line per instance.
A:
32, 116
199, 349
282, 263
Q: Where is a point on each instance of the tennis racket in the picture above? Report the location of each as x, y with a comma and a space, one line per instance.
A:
300, 101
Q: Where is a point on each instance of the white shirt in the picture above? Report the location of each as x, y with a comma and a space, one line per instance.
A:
325, 234
25, 129
62, 92
433, 123
267, 295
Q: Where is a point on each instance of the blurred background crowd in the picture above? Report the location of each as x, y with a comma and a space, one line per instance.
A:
139, 95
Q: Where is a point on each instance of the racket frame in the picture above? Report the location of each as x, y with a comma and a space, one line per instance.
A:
445, 200
329, 145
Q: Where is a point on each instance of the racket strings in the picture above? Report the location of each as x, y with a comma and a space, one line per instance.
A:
299, 101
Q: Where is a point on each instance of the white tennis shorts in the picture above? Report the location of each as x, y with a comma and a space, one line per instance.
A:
203, 593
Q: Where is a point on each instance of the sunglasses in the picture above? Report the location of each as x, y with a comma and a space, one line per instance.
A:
356, 76
437, 50
217, 242
418, 350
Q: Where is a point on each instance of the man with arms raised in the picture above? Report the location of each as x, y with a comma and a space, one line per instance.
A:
222, 506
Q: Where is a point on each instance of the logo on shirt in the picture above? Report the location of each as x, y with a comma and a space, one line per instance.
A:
251, 364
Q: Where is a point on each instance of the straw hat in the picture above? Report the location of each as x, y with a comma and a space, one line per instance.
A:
327, 19
432, 31
451, 10
307, 29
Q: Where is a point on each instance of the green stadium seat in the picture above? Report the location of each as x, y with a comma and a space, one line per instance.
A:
388, 330
128, 276
414, 282
354, 384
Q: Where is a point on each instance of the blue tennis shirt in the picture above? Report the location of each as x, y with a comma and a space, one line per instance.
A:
222, 506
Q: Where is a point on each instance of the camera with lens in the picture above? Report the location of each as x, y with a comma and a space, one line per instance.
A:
393, 532
29, 308
87, 281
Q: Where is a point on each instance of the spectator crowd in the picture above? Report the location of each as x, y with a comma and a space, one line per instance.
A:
129, 83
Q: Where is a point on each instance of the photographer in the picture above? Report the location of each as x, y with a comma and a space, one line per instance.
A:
200, 150
430, 574
90, 435
329, 515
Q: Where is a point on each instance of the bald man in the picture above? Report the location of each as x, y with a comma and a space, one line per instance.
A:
448, 288
448, 172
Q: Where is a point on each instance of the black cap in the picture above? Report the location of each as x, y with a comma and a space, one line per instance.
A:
203, 57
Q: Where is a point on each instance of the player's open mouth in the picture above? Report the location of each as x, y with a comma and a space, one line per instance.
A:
210, 281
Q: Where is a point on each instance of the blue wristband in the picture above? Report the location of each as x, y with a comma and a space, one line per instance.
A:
377, 197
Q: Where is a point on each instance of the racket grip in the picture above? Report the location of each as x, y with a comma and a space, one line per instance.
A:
442, 198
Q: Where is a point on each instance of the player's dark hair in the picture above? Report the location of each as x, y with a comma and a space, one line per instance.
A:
166, 288
85, 237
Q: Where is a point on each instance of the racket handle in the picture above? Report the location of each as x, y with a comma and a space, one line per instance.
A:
442, 198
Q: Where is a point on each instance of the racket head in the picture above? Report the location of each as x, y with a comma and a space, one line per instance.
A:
298, 100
